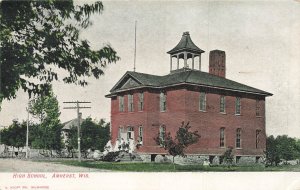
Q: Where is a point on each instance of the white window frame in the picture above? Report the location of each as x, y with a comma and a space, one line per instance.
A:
141, 134
121, 104
141, 101
238, 140
202, 101
130, 103
163, 101
162, 133
222, 137
238, 106
222, 104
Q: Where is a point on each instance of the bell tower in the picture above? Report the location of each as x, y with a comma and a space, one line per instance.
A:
185, 50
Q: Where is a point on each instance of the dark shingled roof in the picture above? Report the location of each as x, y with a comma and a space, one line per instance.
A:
183, 76
186, 44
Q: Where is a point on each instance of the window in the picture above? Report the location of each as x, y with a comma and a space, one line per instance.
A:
141, 101
222, 104
238, 106
222, 137
140, 135
130, 132
202, 106
162, 133
163, 102
238, 138
257, 138
258, 110
130, 102
121, 103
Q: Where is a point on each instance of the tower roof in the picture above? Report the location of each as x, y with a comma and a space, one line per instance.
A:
185, 44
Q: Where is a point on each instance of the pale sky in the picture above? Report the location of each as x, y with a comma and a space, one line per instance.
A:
261, 41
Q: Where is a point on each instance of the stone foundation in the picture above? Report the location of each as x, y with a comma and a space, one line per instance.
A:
201, 159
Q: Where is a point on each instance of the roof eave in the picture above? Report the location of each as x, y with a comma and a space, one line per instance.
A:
185, 49
187, 83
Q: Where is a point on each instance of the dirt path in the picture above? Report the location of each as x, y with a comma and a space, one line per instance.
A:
16, 165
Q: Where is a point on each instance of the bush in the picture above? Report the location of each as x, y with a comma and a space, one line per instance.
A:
111, 157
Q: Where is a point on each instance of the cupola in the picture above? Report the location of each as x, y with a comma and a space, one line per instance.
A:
187, 51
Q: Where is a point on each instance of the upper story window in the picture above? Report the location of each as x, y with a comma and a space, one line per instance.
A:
222, 104
140, 140
258, 108
238, 106
162, 133
202, 103
130, 102
257, 138
141, 101
238, 138
222, 137
163, 101
121, 103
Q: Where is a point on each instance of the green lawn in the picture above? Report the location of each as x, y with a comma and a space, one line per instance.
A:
168, 167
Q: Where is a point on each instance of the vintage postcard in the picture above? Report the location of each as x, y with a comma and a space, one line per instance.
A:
150, 95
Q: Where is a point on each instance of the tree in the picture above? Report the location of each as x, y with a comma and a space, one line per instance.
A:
94, 135
48, 133
15, 134
227, 157
183, 139
281, 148
39, 38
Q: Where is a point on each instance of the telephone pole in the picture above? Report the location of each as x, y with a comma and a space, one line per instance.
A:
78, 107
27, 129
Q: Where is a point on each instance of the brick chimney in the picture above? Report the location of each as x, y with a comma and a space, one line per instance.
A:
217, 63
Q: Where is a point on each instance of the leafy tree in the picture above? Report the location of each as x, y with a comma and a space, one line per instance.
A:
39, 38
272, 156
15, 134
94, 135
227, 157
48, 133
281, 147
183, 139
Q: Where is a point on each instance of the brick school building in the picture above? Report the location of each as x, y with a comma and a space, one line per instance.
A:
224, 112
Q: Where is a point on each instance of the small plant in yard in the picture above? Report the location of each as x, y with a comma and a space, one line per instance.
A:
227, 157
182, 140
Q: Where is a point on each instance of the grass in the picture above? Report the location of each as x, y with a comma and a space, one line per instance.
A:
168, 167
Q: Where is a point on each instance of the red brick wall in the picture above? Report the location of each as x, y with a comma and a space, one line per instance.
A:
183, 105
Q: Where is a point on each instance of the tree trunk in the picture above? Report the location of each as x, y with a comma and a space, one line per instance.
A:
174, 163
